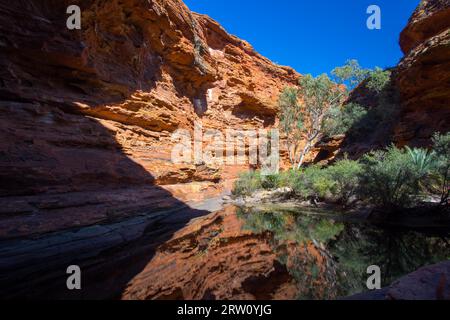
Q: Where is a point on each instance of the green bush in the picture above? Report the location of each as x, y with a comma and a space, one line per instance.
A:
313, 182
423, 161
247, 183
270, 181
389, 178
441, 169
378, 79
338, 182
441, 145
345, 174
251, 181
288, 178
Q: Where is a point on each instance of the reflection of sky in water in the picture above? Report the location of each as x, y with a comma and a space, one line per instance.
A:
329, 257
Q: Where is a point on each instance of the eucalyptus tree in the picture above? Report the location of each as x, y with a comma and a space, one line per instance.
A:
303, 111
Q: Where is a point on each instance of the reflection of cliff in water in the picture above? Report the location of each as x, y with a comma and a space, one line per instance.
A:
328, 257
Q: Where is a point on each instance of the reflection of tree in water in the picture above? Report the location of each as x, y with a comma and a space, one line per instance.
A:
395, 252
300, 242
329, 259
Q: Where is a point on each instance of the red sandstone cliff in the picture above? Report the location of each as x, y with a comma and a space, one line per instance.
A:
82, 110
86, 118
424, 74
139, 70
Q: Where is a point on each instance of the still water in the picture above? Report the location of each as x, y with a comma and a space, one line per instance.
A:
328, 255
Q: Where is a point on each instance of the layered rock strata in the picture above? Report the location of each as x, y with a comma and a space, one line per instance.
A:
86, 121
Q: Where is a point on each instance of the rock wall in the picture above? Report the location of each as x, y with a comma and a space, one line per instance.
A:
82, 110
86, 118
424, 74
139, 69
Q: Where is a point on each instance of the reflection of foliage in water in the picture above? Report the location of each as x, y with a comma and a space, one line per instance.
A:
299, 241
395, 252
329, 259
288, 226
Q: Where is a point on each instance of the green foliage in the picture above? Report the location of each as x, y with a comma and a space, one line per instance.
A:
314, 109
374, 121
441, 146
313, 182
389, 178
392, 178
338, 182
353, 119
422, 159
251, 181
318, 96
345, 174
341, 120
378, 79
287, 178
350, 74
247, 183
270, 181
290, 113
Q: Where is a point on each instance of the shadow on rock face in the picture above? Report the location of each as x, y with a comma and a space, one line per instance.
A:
69, 193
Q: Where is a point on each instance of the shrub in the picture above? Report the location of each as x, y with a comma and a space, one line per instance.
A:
392, 178
313, 182
251, 181
270, 181
441, 145
389, 178
288, 178
345, 174
423, 161
378, 79
441, 170
247, 183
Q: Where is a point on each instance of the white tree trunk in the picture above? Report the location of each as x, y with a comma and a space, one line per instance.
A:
302, 155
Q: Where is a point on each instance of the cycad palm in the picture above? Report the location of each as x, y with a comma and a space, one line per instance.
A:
422, 160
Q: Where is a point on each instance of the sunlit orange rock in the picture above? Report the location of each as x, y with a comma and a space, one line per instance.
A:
96, 107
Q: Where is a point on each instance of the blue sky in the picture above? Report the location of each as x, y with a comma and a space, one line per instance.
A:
314, 36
